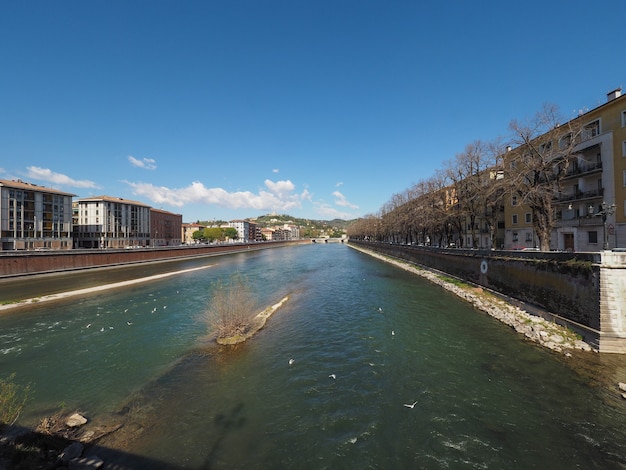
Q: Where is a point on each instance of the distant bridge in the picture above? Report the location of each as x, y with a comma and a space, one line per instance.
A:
328, 240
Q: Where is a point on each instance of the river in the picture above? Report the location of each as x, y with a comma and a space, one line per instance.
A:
366, 366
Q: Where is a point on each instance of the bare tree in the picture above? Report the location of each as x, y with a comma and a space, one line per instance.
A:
494, 189
544, 148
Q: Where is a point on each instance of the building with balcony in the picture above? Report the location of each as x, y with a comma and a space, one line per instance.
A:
111, 222
34, 217
591, 206
590, 201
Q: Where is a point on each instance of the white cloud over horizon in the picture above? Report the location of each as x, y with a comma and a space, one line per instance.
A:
278, 196
328, 212
45, 174
341, 200
271, 196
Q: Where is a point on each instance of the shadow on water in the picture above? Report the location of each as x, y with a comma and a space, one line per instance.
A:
144, 417
149, 415
23, 448
225, 423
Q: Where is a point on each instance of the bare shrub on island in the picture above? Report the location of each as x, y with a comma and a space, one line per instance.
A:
230, 309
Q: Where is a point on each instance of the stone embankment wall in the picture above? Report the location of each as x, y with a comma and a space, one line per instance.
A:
34, 262
582, 290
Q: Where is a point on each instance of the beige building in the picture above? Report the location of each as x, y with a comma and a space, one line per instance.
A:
187, 231
34, 217
590, 206
111, 222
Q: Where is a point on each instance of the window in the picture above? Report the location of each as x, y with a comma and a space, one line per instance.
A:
593, 237
528, 217
514, 200
624, 149
591, 130
624, 178
515, 218
624, 118
515, 236
565, 141
529, 237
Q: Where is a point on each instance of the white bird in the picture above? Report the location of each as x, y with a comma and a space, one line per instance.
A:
291, 361
101, 329
393, 333
332, 376
380, 309
129, 323
88, 326
110, 328
125, 310
412, 405
164, 306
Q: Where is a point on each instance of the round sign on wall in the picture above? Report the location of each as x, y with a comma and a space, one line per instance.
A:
483, 266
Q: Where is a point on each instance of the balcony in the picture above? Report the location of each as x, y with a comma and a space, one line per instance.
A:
584, 221
584, 169
579, 195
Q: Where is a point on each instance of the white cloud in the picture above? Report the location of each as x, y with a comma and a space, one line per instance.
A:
340, 200
145, 163
306, 195
280, 188
275, 170
45, 174
339, 184
327, 212
278, 196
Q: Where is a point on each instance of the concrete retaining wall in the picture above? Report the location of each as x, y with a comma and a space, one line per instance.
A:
34, 262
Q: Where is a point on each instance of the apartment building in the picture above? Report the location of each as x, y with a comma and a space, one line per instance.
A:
590, 204
254, 232
243, 229
187, 231
165, 228
111, 222
34, 217
267, 234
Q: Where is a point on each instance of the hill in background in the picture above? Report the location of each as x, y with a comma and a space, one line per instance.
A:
308, 227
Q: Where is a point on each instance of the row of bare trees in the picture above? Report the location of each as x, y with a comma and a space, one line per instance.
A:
467, 196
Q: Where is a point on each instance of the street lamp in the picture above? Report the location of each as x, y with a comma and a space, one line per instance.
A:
606, 211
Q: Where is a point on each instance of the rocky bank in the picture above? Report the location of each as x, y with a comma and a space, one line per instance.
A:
535, 328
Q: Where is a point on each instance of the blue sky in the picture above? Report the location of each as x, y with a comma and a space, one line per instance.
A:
318, 109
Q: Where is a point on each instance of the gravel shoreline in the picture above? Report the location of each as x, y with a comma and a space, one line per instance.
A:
89, 290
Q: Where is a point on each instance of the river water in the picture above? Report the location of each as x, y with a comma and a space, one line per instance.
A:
365, 340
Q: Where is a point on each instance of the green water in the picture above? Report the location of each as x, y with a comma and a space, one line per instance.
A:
484, 398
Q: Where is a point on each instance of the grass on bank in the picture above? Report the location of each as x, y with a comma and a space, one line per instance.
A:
231, 308
13, 397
